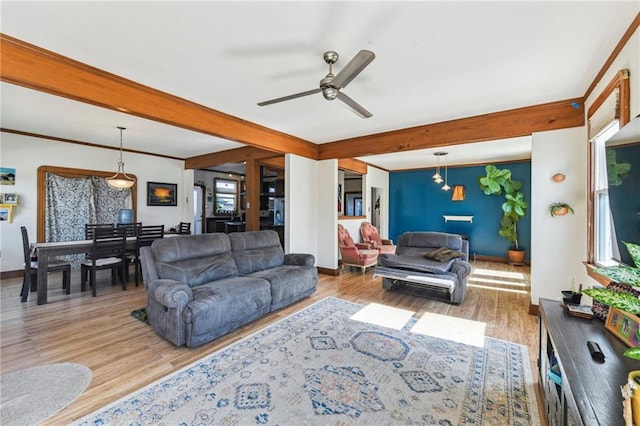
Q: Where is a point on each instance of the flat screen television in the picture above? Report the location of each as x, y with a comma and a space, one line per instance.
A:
623, 179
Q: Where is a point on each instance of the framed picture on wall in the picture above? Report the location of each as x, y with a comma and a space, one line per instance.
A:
162, 194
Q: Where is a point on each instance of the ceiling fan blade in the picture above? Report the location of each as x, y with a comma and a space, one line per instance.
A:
356, 107
287, 98
353, 68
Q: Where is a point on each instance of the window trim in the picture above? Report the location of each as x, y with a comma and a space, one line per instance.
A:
234, 193
619, 82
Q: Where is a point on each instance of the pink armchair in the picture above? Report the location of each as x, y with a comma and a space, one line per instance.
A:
371, 236
355, 254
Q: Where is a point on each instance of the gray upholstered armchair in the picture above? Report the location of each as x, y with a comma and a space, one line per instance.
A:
433, 260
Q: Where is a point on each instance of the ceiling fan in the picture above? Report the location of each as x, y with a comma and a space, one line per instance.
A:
331, 84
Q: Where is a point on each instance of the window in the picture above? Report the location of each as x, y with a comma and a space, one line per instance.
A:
605, 246
608, 113
226, 196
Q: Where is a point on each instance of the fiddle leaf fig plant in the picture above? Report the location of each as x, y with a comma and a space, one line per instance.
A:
623, 301
514, 207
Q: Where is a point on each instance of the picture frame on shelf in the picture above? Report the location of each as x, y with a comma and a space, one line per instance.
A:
162, 194
10, 198
624, 326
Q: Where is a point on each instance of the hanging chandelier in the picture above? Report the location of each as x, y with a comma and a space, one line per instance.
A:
437, 178
121, 180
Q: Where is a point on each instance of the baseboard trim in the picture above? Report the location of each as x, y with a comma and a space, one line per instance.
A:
533, 309
11, 274
328, 271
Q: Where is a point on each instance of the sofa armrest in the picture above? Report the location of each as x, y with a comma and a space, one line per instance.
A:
170, 293
299, 259
461, 268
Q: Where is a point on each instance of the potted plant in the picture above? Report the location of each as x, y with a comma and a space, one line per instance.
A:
623, 301
571, 296
560, 209
495, 182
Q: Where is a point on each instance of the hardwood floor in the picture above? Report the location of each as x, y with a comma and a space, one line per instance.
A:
125, 354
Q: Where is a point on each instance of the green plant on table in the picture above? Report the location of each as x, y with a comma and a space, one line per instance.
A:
623, 301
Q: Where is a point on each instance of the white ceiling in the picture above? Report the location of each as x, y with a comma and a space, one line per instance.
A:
435, 61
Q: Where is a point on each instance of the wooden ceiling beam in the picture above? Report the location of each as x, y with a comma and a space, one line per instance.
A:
353, 165
236, 155
35, 68
274, 162
480, 128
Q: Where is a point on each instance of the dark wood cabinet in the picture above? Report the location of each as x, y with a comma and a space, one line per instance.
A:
576, 389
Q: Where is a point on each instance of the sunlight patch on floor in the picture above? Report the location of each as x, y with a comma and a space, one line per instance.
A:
451, 328
492, 281
508, 290
385, 316
502, 274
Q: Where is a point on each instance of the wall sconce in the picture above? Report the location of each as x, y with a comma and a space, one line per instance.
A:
458, 193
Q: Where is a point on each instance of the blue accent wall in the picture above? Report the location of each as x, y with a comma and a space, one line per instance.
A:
416, 203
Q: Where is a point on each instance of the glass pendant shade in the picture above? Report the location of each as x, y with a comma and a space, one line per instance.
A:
121, 180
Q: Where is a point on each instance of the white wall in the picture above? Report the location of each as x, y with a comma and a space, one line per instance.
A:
327, 197
557, 253
26, 154
559, 245
301, 183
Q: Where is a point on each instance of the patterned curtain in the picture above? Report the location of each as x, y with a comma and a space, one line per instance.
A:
72, 202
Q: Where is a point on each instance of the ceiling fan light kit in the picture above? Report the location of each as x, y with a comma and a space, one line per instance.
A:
331, 84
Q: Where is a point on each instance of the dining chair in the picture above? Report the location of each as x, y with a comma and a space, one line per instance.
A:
89, 229
108, 251
30, 276
184, 228
131, 229
145, 237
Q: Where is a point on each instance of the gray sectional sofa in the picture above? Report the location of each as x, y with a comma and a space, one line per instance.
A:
444, 276
200, 287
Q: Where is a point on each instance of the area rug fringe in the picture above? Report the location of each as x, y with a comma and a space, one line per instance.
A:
317, 366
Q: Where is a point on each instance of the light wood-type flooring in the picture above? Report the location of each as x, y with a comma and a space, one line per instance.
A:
125, 354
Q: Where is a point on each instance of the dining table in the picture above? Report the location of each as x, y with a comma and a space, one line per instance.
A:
48, 250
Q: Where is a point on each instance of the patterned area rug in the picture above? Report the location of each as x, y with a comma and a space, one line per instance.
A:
318, 367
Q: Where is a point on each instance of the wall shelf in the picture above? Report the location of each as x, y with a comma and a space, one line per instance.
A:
8, 207
451, 218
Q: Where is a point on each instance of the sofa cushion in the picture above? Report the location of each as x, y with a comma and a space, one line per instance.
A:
443, 254
289, 283
228, 300
414, 263
194, 259
256, 251
429, 239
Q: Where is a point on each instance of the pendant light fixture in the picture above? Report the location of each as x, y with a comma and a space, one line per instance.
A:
436, 176
121, 180
446, 186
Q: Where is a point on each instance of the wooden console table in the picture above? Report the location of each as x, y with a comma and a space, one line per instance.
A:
589, 393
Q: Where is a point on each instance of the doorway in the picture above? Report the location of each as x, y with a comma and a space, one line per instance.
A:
376, 207
198, 207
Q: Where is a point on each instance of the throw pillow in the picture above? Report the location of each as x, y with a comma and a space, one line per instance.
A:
443, 254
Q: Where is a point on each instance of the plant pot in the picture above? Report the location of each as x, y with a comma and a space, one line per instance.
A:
561, 211
571, 297
515, 257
